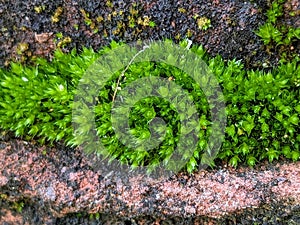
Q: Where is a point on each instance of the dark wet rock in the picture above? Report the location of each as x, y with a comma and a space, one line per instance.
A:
231, 33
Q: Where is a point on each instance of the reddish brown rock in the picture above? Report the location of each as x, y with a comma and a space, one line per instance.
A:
62, 182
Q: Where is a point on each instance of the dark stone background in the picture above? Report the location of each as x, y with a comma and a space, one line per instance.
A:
231, 34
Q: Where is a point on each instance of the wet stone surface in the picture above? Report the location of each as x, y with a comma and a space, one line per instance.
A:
36, 28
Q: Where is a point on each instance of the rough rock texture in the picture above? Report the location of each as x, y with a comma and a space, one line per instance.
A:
58, 181
36, 28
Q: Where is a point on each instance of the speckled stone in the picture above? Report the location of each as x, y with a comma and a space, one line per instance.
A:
62, 182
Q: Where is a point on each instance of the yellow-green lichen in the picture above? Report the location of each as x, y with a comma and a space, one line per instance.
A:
182, 10
57, 13
203, 23
39, 9
22, 47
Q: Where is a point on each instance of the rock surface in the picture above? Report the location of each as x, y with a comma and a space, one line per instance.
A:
60, 182
36, 28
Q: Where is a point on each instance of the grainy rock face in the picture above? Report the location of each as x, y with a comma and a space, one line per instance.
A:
36, 28
60, 184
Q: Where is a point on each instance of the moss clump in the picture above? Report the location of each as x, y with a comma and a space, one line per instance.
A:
262, 107
274, 34
203, 23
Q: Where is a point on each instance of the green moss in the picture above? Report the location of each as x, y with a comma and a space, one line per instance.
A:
39, 9
182, 10
275, 34
262, 107
16, 205
203, 23
22, 47
61, 41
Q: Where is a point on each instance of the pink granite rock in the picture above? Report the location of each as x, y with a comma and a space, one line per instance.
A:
63, 182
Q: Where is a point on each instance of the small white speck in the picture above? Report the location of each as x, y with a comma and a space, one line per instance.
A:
24, 79
61, 87
50, 193
189, 44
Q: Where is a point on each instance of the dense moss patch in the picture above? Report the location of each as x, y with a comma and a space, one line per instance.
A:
263, 107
